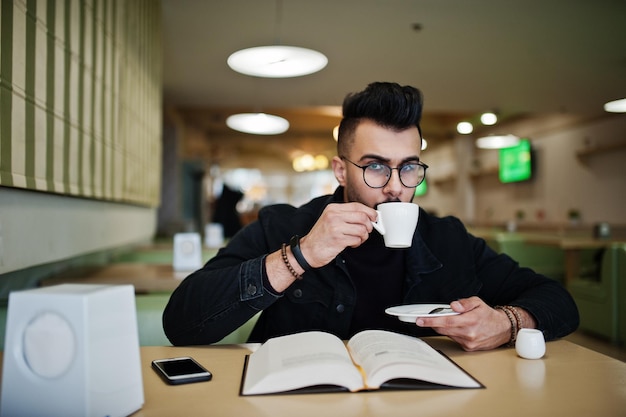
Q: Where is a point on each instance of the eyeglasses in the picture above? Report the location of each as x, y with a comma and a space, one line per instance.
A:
377, 174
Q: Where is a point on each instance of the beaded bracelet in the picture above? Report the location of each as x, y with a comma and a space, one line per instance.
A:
283, 252
518, 317
513, 324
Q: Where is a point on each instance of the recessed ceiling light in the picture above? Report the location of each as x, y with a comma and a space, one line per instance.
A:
616, 106
488, 119
277, 61
464, 128
497, 141
257, 123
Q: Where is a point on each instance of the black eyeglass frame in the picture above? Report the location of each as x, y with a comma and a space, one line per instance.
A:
398, 168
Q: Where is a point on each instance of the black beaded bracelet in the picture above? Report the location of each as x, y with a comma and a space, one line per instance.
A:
294, 243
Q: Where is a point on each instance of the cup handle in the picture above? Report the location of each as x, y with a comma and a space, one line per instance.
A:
378, 224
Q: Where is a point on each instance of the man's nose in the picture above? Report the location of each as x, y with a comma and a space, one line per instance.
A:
394, 186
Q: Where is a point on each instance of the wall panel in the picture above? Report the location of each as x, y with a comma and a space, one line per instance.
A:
80, 98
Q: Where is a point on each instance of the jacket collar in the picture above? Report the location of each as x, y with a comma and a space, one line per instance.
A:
421, 260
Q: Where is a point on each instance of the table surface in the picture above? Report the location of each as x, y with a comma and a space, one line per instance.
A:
568, 243
146, 277
558, 239
149, 269
569, 381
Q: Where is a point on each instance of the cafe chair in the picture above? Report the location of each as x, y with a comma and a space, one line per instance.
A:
598, 294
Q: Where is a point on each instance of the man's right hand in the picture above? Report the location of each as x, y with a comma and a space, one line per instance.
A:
340, 226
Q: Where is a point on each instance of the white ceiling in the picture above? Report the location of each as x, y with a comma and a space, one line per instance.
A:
512, 56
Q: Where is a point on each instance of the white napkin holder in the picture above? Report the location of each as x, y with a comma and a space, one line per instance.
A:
187, 252
72, 350
213, 235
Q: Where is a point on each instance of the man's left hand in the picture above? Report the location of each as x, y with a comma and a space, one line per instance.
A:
478, 327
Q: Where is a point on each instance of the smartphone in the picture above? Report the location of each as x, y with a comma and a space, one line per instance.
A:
183, 370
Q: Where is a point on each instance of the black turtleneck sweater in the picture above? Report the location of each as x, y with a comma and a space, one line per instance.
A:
378, 275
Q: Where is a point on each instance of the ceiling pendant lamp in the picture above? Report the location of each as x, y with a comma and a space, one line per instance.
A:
257, 123
616, 106
277, 61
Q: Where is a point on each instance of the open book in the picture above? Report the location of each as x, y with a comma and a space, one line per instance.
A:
320, 362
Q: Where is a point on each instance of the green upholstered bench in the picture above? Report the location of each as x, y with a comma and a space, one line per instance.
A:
149, 318
3, 321
600, 298
545, 260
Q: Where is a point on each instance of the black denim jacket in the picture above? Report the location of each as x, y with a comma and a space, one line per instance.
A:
445, 263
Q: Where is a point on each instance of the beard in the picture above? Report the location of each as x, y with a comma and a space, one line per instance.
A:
352, 195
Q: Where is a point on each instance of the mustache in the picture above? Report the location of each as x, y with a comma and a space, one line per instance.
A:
391, 200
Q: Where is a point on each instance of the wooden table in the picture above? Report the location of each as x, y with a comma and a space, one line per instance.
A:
146, 277
569, 381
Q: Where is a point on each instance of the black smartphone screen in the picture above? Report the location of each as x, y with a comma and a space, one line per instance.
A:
181, 370
180, 367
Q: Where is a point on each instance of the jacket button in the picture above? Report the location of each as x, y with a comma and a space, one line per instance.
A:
251, 289
297, 293
340, 308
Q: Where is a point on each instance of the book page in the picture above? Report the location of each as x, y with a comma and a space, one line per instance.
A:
300, 360
386, 355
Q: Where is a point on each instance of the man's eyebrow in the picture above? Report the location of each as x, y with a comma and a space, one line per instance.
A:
413, 158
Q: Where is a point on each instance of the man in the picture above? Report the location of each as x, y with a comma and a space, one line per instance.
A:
322, 267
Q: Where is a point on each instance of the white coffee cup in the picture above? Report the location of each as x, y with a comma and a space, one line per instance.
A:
396, 222
530, 344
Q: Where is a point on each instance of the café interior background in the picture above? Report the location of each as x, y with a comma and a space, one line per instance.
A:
112, 112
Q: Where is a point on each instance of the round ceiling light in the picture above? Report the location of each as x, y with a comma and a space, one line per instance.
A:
277, 61
464, 128
257, 123
616, 106
488, 118
497, 141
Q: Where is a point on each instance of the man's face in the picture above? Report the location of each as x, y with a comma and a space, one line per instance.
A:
373, 143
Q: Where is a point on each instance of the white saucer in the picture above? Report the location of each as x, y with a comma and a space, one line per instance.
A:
409, 313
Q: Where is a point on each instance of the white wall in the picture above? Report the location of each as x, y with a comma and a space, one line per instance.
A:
594, 184
38, 228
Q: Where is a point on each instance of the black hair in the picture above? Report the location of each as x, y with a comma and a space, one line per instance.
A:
387, 104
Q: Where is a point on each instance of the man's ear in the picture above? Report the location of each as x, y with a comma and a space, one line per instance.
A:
339, 169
